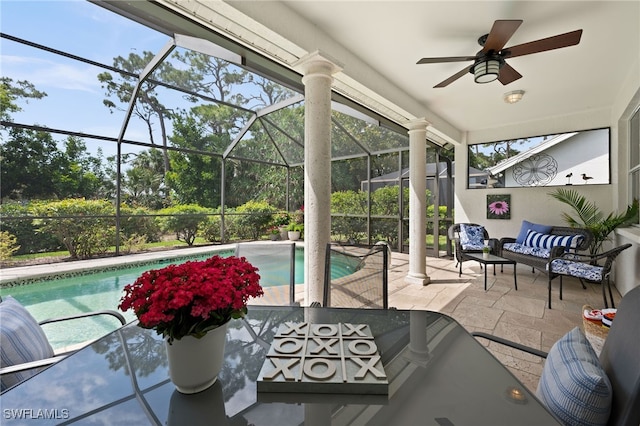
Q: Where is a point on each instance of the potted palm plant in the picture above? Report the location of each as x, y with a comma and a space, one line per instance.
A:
591, 218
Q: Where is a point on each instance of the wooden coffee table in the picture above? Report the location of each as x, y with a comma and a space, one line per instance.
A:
494, 260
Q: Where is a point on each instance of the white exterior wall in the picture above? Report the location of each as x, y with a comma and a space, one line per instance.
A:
586, 152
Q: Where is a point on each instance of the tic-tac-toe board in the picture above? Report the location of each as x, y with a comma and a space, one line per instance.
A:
323, 358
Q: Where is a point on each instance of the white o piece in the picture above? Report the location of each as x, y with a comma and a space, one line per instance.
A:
287, 346
325, 330
329, 371
355, 347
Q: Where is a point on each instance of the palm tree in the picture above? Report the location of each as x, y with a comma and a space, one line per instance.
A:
591, 218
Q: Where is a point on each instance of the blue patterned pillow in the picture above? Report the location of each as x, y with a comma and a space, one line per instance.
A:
21, 340
548, 241
573, 385
471, 237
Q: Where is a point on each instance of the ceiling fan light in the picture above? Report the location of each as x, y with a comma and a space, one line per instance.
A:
486, 71
514, 96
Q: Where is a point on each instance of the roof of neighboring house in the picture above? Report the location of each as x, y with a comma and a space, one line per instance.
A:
512, 161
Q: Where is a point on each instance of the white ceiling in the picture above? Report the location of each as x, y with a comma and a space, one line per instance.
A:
379, 43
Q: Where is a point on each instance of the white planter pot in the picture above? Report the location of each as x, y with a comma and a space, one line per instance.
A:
485, 255
294, 235
284, 232
194, 363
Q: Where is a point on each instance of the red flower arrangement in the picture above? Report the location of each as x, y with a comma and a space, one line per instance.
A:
194, 297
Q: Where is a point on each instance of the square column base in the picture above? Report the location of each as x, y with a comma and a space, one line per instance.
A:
419, 279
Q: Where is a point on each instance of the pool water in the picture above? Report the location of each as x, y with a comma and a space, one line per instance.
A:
103, 290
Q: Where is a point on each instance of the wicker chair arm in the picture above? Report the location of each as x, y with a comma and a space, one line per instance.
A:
505, 240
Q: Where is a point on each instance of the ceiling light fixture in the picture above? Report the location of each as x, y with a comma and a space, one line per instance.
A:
514, 96
486, 71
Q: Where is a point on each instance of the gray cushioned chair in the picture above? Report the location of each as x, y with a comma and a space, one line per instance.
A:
619, 358
24, 347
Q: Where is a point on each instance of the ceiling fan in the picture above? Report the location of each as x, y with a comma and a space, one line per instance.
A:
489, 63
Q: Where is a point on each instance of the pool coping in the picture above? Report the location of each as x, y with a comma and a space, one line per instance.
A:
22, 275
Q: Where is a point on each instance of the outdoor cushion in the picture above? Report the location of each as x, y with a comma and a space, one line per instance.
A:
21, 340
577, 269
526, 226
573, 385
522, 249
471, 237
548, 241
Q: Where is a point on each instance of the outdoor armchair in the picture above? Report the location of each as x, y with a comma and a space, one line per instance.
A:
24, 347
470, 238
584, 267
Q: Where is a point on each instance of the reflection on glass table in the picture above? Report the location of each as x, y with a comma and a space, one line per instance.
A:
438, 374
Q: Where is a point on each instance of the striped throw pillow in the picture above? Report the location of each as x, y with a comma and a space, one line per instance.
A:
548, 241
573, 384
21, 340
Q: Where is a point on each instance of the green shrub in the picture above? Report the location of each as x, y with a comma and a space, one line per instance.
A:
185, 220
134, 243
85, 227
8, 245
254, 219
353, 229
211, 228
136, 222
17, 220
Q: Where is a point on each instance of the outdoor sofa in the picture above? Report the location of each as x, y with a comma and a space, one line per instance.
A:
535, 250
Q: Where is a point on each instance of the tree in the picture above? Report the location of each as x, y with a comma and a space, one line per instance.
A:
82, 174
195, 178
30, 164
147, 106
144, 182
11, 92
34, 167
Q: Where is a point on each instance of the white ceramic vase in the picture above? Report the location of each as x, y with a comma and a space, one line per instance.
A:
194, 363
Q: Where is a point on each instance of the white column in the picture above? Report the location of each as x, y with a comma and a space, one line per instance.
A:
317, 78
417, 202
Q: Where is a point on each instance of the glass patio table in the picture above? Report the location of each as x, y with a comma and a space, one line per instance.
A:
437, 374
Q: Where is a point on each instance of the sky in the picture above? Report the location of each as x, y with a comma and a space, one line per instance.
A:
74, 100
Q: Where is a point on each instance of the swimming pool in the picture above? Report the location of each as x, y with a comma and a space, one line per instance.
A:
103, 290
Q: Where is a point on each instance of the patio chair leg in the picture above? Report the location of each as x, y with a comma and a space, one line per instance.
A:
613, 305
604, 294
549, 297
560, 287
584, 287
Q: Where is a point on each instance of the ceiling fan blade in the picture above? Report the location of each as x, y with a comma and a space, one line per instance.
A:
508, 74
452, 78
446, 59
500, 34
550, 43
